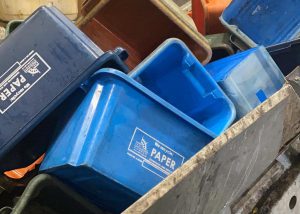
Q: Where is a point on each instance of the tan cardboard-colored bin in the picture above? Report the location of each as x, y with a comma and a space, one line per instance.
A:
21, 9
140, 26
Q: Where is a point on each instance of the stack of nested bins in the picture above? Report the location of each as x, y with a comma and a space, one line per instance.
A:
110, 136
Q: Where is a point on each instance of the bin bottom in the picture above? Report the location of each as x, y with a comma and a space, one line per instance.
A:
98, 189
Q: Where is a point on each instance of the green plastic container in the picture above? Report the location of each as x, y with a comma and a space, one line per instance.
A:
45, 194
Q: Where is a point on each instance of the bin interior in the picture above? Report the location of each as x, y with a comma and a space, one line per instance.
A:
286, 55
175, 75
238, 77
138, 26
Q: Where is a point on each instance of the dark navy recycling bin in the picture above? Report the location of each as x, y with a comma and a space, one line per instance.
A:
42, 62
173, 73
248, 78
30, 148
286, 55
121, 142
263, 22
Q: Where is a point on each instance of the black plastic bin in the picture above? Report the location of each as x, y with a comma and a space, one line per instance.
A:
47, 195
286, 55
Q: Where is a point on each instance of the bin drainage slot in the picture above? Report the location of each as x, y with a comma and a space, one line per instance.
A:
293, 202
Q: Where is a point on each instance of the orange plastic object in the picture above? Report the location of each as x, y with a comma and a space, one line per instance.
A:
206, 15
20, 173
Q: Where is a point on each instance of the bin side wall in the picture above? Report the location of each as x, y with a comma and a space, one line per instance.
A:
221, 172
292, 118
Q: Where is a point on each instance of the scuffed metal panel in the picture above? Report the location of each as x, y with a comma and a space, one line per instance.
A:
247, 203
292, 118
221, 172
294, 79
287, 200
271, 192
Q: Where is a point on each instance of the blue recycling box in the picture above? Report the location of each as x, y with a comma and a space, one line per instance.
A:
122, 141
173, 73
42, 62
263, 22
248, 78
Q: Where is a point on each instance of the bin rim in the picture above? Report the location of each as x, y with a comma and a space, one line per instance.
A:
283, 45
97, 76
137, 70
175, 41
41, 181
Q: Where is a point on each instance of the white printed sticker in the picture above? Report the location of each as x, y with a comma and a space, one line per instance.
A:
154, 155
19, 78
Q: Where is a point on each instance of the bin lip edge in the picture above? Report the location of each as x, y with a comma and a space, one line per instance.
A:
283, 45
175, 41
234, 29
196, 36
50, 180
123, 77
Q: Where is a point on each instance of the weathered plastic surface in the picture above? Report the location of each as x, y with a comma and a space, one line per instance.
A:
286, 55
121, 123
38, 74
140, 26
248, 78
16, 9
223, 170
174, 74
263, 22
206, 15
292, 120
294, 79
45, 194
27, 150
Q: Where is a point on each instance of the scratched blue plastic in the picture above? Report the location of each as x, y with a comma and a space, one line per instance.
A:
265, 22
248, 78
122, 141
173, 73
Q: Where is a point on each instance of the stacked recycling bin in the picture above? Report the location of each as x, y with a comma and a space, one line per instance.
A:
107, 109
